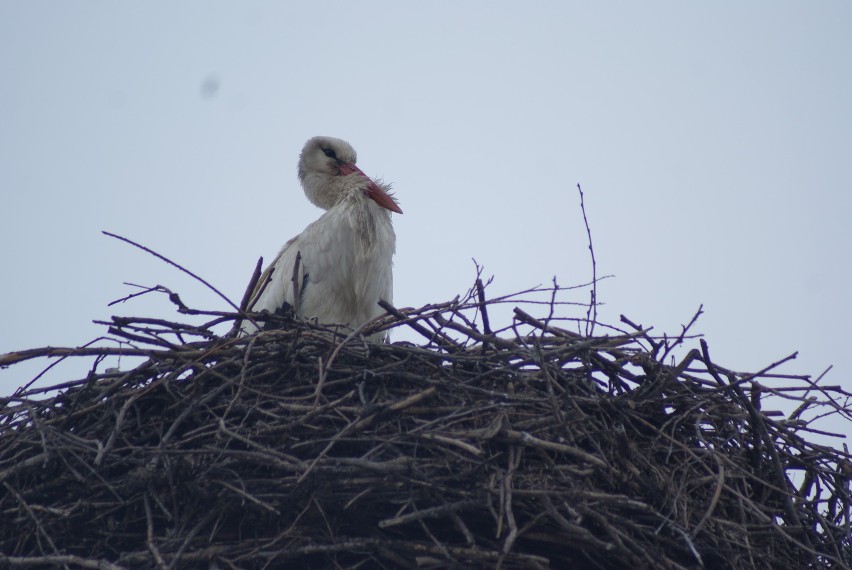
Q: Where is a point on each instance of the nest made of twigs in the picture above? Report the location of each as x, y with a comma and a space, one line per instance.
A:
530, 447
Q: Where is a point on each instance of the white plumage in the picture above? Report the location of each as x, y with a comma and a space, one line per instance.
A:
346, 262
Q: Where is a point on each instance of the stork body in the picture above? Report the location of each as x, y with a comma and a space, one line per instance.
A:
346, 256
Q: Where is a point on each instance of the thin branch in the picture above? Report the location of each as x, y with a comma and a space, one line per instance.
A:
592, 313
176, 265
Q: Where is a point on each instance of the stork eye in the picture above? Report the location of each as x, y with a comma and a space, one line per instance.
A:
329, 153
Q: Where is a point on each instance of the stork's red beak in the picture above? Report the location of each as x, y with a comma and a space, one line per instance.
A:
374, 191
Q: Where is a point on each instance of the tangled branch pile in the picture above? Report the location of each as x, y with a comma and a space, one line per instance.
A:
528, 447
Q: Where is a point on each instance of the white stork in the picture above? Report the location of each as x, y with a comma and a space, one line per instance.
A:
346, 256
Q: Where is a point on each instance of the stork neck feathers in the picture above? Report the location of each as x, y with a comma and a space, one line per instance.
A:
326, 191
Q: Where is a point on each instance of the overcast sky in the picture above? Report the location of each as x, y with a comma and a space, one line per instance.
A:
713, 142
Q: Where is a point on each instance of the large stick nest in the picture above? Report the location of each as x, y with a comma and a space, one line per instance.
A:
528, 447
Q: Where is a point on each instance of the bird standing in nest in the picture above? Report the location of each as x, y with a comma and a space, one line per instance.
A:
343, 260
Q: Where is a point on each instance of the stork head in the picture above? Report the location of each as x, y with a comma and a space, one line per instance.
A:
328, 173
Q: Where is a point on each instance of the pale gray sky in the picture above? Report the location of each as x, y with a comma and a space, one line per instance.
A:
713, 142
